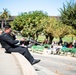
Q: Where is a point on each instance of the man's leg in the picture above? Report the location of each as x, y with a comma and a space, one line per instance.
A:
30, 57
25, 52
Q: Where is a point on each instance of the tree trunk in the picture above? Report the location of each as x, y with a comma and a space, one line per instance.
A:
36, 36
33, 36
60, 40
46, 37
2, 25
50, 39
5, 21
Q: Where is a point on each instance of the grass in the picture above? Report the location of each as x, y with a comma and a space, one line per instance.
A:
69, 38
19, 37
66, 38
42, 37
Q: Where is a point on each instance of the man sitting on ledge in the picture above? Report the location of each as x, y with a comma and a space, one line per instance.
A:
11, 45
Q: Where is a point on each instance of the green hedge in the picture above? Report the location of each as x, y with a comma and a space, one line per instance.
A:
72, 50
37, 48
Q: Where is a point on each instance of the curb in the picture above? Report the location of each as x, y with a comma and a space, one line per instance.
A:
25, 66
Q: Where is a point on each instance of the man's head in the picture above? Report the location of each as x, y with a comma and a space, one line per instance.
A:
7, 29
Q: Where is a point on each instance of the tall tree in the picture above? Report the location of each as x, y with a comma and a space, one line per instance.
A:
68, 14
4, 16
30, 23
55, 28
49, 28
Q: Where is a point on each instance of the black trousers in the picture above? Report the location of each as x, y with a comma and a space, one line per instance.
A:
24, 51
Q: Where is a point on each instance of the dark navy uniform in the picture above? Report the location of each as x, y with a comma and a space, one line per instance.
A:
10, 45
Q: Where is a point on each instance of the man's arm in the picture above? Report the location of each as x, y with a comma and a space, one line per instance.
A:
9, 39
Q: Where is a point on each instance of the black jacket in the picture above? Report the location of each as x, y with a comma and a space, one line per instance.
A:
7, 41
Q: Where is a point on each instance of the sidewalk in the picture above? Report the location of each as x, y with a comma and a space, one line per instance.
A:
10, 66
43, 71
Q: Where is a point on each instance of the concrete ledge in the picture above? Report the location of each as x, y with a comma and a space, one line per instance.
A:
25, 66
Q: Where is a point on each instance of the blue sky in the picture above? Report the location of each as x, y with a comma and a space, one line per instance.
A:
17, 6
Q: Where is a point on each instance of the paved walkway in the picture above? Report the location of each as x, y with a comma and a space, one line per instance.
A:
10, 66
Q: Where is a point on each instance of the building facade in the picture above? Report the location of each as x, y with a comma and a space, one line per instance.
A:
7, 21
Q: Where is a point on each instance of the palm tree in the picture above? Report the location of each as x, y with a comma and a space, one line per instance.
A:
4, 16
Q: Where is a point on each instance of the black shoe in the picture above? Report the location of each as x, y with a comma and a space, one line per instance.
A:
35, 61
